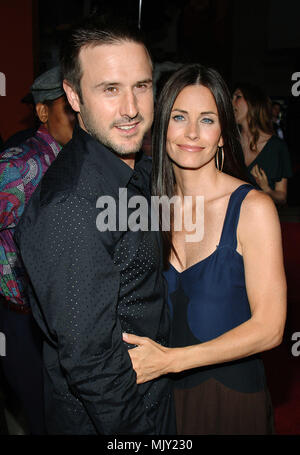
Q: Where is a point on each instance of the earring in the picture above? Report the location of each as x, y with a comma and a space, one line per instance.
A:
220, 168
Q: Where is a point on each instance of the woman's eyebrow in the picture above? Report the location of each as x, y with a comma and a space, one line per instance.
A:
180, 110
208, 112
201, 113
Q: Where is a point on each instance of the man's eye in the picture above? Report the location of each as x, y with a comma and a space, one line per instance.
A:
141, 88
111, 90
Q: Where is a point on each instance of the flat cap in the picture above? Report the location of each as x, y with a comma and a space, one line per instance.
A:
48, 86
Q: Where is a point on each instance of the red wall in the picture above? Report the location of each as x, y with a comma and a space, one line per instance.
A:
16, 62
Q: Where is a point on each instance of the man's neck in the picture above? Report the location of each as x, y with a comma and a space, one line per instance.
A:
127, 159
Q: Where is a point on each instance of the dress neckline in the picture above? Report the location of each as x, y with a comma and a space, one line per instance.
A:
217, 247
195, 264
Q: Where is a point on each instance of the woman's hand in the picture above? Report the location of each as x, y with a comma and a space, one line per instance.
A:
149, 359
260, 178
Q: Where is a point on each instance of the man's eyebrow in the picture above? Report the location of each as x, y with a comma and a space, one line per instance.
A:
145, 81
108, 83
186, 112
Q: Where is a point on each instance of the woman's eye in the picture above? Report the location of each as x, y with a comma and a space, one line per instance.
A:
178, 118
207, 120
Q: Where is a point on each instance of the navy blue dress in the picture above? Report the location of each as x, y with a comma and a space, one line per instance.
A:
206, 300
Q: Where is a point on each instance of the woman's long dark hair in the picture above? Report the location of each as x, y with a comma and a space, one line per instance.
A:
163, 180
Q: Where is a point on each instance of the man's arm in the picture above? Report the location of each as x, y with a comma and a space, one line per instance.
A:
77, 286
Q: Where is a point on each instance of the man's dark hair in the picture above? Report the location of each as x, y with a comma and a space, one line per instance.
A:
94, 31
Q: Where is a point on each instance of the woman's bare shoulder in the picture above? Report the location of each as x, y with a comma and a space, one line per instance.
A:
257, 203
258, 217
230, 183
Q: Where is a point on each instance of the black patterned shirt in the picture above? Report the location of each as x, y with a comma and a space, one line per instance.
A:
90, 286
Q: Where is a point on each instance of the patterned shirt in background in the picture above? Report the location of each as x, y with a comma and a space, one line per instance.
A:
21, 169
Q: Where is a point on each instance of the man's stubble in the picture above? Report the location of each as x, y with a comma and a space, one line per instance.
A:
96, 132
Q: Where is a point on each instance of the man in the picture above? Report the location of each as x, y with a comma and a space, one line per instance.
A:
21, 169
277, 120
90, 286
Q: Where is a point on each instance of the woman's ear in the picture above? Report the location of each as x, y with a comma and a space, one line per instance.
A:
221, 142
42, 112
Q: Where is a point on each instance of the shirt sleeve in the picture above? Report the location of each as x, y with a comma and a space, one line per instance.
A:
12, 196
286, 162
77, 285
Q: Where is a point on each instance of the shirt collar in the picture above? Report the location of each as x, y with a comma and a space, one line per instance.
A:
111, 166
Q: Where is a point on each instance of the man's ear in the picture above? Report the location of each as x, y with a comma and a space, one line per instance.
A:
72, 96
42, 112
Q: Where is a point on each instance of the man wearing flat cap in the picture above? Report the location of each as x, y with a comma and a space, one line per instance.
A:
21, 169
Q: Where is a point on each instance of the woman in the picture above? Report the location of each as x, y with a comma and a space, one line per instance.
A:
227, 303
266, 156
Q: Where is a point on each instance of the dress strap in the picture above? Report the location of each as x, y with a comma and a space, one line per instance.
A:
228, 236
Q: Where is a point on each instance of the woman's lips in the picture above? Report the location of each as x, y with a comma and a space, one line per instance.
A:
190, 148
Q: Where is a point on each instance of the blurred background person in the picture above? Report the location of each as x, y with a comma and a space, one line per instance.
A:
277, 120
266, 155
21, 169
21, 135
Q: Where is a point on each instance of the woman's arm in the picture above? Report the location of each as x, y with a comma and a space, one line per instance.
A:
259, 237
279, 194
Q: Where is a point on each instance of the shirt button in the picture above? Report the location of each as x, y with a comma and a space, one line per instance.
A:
135, 176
